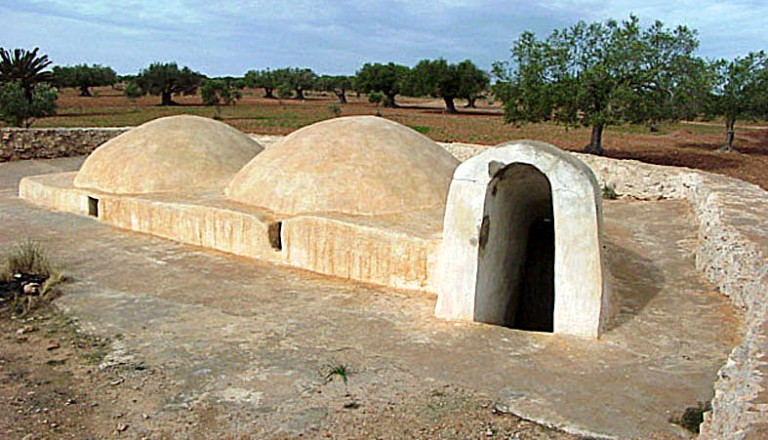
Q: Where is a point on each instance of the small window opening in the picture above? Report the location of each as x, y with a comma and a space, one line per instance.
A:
93, 207
274, 232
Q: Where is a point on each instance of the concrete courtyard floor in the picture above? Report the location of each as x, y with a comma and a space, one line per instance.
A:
257, 341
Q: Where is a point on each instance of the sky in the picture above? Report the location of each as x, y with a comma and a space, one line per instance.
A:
218, 37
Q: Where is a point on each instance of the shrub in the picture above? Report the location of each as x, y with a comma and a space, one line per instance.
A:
220, 91
133, 91
375, 98
693, 417
17, 109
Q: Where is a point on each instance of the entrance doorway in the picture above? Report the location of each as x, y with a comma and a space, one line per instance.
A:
516, 255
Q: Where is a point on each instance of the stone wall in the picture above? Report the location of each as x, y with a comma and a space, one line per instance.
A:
732, 251
48, 143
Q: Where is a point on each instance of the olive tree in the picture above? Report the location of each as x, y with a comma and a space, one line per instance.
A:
263, 79
294, 79
441, 79
740, 91
83, 77
595, 74
387, 79
165, 80
338, 84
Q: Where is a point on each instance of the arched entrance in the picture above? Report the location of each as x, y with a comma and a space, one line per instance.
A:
516, 254
521, 242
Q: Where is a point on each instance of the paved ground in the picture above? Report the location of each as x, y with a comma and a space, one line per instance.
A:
253, 343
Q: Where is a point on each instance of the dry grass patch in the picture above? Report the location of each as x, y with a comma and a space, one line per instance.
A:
28, 279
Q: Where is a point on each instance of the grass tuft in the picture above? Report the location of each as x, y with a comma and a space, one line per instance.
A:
340, 370
609, 192
28, 258
420, 128
28, 279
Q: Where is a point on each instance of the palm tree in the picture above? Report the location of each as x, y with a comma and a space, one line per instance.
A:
24, 66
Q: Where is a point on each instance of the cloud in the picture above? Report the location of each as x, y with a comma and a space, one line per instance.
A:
336, 36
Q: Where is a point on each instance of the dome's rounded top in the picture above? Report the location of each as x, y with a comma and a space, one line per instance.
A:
175, 153
361, 165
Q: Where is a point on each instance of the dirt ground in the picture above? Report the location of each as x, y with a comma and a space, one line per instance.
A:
56, 382
176, 342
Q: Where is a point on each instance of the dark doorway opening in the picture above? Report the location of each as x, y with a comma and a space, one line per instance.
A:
274, 232
516, 267
93, 207
536, 300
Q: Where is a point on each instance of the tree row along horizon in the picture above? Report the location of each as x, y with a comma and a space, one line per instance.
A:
589, 74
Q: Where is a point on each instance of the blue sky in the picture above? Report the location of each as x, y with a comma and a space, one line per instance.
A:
220, 37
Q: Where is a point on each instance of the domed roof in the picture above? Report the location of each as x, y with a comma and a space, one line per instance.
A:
361, 165
175, 153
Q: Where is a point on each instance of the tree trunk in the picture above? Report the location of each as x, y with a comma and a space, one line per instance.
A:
390, 100
268, 92
342, 95
470, 103
596, 141
450, 107
84, 91
167, 99
730, 133
300, 94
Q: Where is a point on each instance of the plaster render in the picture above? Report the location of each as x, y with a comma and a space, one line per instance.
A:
176, 153
473, 273
388, 250
360, 165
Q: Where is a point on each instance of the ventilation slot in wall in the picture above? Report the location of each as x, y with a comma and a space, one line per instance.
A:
93, 207
274, 232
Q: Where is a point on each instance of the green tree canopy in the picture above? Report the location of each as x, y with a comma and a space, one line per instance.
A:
26, 67
740, 91
387, 79
83, 77
166, 80
338, 84
440, 79
596, 74
265, 79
